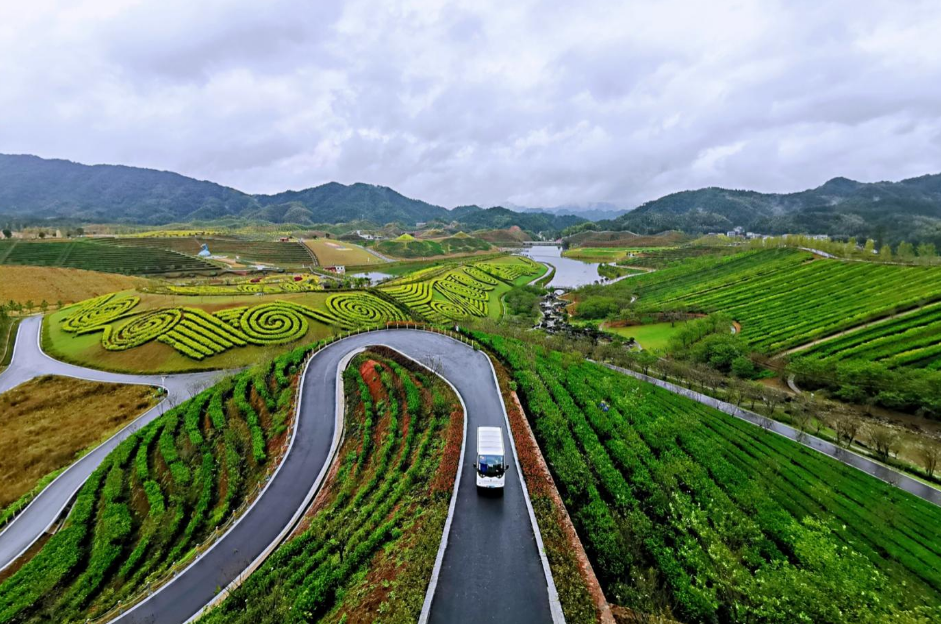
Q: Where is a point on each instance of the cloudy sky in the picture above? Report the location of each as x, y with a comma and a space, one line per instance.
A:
487, 102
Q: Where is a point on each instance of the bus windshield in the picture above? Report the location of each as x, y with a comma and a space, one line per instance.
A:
490, 465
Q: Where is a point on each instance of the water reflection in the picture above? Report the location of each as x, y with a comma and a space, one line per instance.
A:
569, 273
374, 277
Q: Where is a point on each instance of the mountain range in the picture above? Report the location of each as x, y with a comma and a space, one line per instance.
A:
38, 188
891, 211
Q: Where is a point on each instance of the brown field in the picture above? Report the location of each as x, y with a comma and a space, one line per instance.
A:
31, 283
46, 421
333, 252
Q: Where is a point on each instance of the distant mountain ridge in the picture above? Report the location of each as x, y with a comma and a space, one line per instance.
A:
38, 188
909, 209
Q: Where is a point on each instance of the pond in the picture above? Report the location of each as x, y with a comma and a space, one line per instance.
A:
374, 277
568, 273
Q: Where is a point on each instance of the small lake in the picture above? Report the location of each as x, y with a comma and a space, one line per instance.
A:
374, 277
569, 273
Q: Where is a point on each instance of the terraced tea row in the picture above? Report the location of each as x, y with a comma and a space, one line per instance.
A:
162, 492
690, 513
96, 256
782, 299
378, 519
271, 252
910, 340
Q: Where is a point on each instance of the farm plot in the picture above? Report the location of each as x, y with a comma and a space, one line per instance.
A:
692, 514
269, 252
332, 252
95, 256
157, 496
372, 534
910, 340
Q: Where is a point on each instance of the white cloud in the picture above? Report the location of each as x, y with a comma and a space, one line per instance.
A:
537, 103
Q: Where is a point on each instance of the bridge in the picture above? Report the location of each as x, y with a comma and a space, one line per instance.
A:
542, 243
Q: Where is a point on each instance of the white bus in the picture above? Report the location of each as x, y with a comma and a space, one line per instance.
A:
491, 460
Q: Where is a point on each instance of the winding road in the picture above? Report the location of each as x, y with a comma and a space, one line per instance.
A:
490, 565
29, 361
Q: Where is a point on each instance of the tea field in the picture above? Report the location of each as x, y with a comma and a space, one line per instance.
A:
695, 515
99, 256
159, 494
374, 534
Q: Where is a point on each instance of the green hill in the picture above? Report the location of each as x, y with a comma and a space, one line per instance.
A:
406, 246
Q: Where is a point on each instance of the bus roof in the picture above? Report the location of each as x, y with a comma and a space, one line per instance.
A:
489, 441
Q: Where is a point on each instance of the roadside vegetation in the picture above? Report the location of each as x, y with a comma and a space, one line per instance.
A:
366, 548
694, 515
160, 494
48, 421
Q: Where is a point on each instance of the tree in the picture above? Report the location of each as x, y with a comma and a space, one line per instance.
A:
930, 454
882, 440
42, 234
869, 247
885, 253
44, 306
905, 252
801, 415
846, 427
927, 253
646, 359
7, 233
771, 398
29, 305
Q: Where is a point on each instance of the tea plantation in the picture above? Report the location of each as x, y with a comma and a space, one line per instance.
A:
95, 256
162, 492
692, 514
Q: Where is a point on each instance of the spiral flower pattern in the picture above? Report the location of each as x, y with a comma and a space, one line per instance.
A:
273, 323
97, 312
140, 330
362, 308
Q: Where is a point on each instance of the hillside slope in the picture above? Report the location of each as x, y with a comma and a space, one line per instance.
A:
909, 209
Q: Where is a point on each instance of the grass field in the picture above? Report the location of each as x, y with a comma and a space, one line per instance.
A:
163, 491
653, 337
332, 252
365, 550
40, 436
604, 254
694, 515
29, 283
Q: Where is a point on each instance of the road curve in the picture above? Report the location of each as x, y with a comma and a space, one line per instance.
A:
491, 570
29, 361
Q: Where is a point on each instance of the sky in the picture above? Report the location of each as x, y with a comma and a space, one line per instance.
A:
485, 102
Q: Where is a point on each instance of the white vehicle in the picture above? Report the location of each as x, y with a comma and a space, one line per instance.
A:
491, 460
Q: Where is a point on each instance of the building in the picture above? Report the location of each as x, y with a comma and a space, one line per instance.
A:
338, 269
204, 252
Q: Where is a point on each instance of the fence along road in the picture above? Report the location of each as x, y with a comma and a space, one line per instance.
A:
491, 571
30, 362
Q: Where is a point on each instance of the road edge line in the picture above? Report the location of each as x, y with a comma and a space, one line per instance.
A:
555, 604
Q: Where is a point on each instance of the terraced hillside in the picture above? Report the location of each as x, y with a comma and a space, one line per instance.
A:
161, 493
269, 252
407, 246
368, 543
692, 514
911, 340
783, 298
94, 256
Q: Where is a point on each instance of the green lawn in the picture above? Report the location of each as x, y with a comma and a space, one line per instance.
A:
653, 337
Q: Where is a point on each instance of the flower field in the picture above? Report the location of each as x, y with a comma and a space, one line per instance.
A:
692, 514
158, 495
459, 293
378, 521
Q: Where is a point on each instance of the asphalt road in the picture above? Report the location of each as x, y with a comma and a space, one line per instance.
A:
28, 362
491, 571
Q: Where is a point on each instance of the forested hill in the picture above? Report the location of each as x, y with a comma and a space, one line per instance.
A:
37, 188
910, 209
